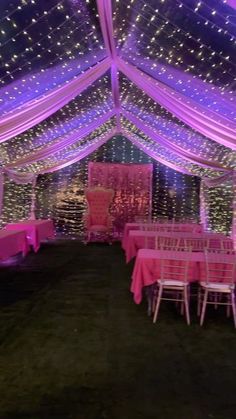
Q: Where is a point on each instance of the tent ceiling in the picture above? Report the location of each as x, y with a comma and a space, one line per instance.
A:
187, 47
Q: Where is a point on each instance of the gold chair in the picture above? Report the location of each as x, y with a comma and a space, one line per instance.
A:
97, 219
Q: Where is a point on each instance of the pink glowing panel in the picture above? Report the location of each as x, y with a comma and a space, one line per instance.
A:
36, 230
13, 242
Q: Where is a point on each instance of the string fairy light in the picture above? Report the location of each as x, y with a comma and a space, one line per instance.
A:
175, 33
189, 46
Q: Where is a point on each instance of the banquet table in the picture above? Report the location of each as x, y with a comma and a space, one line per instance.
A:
13, 242
185, 227
138, 239
36, 230
147, 267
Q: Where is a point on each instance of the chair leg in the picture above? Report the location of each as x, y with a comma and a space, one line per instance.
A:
204, 307
199, 296
229, 305
149, 296
154, 296
233, 307
186, 304
216, 300
158, 303
87, 237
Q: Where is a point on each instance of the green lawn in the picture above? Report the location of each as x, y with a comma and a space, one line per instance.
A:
74, 345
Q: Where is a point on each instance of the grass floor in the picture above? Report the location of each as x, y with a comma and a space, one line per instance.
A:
74, 345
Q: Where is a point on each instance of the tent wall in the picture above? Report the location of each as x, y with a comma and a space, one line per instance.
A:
16, 201
219, 207
61, 195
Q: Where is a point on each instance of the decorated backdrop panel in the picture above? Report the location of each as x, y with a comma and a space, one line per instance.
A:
132, 185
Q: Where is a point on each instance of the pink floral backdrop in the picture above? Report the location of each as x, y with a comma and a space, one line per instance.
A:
132, 184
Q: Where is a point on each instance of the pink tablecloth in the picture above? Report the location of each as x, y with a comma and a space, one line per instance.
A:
36, 230
13, 242
138, 239
147, 267
185, 227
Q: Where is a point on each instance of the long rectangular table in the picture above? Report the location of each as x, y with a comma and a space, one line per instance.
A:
184, 227
138, 239
147, 267
13, 242
36, 230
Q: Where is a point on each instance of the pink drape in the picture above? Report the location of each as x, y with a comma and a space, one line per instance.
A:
35, 111
82, 153
105, 17
217, 181
208, 123
132, 184
153, 155
187, 155
75, 136
21, 178
231, 3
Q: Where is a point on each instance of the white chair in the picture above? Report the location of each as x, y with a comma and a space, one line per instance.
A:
197, 245
173, 282
227, 246
166, 243
155, 227
219, 286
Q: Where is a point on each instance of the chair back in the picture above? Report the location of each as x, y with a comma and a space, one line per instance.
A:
221, 245
99, 200
156, 227
174, 266
196, 244
185, 228
220, 267
227, 245
167, 243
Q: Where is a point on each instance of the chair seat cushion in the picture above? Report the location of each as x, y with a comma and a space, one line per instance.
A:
217, 286
172, 283
98, 227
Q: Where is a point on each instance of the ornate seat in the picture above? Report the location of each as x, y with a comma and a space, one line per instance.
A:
98, 221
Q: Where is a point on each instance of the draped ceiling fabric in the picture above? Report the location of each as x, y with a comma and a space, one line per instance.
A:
73, 73
132, 186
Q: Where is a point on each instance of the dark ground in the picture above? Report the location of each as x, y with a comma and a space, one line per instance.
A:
75, 346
